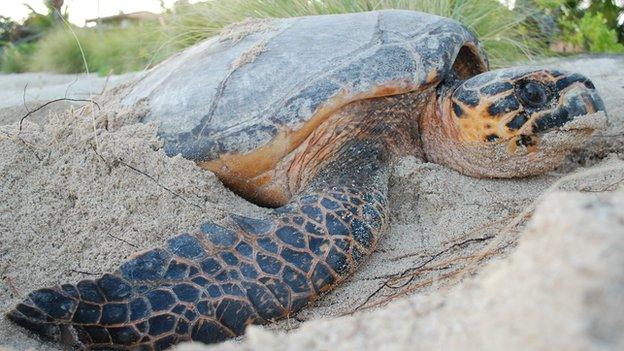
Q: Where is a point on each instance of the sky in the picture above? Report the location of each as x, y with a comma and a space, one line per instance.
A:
80, 10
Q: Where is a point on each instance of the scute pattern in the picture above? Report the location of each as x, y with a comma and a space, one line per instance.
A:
264, 270
308, 65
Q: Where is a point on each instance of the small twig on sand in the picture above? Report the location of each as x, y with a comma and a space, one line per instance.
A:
24, 142
160, 185
51, 102
412, 270
70, 85
11, 285
83, 272
122, 240
608, 187
105, 83
24, 97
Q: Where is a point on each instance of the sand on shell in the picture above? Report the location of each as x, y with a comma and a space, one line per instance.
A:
79, 195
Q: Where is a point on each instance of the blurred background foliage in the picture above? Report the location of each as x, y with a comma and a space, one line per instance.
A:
510, 30
584, 26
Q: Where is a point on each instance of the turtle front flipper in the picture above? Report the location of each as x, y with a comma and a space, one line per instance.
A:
209, 285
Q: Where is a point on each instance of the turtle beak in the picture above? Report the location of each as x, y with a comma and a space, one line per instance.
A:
579, 108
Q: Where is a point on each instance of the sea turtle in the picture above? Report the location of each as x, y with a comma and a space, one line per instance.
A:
307, 115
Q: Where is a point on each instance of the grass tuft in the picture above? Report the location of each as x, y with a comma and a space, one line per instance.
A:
107, 51
15, 58
507, 35
58, 51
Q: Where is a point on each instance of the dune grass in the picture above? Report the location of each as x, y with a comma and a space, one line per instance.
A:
106, 51
14, 58
59, 52
506, 34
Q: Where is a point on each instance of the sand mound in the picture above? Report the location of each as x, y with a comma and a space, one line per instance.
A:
561, 289
80, 195
72, 209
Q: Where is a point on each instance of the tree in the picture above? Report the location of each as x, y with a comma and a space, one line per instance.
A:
7, 27
589, 24
611, 12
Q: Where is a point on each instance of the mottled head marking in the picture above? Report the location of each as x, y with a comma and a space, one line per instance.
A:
517, 120
520, 104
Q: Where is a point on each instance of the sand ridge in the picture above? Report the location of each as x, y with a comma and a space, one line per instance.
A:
77, 200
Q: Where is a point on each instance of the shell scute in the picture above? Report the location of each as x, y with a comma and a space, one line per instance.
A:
209, 107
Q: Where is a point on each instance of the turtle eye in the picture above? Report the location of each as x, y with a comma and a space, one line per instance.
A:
533, 94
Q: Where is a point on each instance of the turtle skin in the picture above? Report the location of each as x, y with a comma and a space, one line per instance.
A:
209, 285
482, 95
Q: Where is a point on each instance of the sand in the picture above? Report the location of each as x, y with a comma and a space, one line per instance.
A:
80, 195
25, 92
560, 289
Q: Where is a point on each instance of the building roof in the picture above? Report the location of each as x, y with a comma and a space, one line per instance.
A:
140, 15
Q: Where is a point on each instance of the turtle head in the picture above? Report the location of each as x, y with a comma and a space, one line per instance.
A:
512, 122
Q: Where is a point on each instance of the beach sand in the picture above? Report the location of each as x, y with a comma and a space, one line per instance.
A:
83, 188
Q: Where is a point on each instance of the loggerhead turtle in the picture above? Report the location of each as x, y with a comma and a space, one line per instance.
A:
307, 115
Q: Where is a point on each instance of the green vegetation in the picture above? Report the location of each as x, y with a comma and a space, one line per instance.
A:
14, 58
503, 32
58, 52
508, 35
590, 26
592, 33
114, 50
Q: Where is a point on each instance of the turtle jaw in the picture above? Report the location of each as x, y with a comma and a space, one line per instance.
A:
580, 108
512, 122
443, 143
577, 114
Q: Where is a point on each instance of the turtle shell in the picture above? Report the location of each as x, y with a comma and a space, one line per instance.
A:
260, 90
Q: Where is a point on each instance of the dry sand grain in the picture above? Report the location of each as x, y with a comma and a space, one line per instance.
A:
561, 289
24, 93
73, 207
